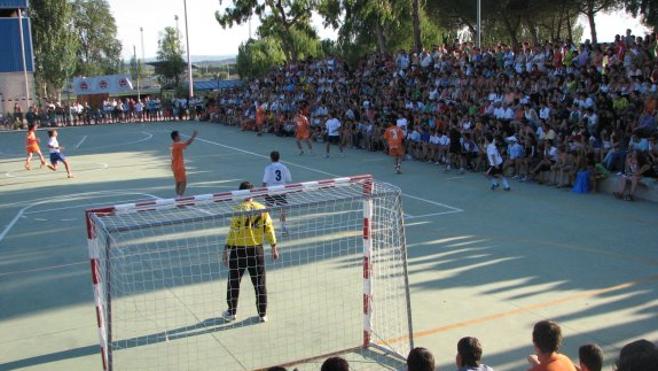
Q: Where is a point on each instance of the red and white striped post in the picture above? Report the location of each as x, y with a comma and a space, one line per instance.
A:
367, 262
96, 280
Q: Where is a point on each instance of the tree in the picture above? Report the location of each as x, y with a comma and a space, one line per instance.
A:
136, 69
418, 44
647, 9
55, 44
171, 64
281, 18
590, 8
257, 57
100, 51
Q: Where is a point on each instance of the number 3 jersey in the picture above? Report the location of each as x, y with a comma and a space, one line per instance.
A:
249, 227
276, 173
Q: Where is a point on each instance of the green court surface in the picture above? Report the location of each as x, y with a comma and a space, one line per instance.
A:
481, 263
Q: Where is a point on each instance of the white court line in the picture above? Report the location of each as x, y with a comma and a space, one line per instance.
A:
453, 209
22, 211
147, 137
81, 141
103, 166
456, 177
434, 214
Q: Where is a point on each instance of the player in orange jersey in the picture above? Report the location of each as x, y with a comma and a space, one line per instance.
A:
394, 137
303, 131
32, 146
261, 116
178, 162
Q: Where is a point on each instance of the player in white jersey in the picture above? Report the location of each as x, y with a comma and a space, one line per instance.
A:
495, 164
55, 153
276, 174
332, 133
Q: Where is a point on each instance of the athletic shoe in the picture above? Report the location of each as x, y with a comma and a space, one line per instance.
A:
284, 229
228, 317
507, 189
326, 156
398, 171
494, 186
262, 319
301, 153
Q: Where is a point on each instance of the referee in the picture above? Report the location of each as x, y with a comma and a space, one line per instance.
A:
244, 250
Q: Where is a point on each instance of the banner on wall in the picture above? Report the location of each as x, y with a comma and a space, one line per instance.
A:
109, 84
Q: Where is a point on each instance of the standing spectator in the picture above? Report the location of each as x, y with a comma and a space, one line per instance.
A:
547, 338
469, 353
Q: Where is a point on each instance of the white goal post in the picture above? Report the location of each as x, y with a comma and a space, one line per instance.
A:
340, 285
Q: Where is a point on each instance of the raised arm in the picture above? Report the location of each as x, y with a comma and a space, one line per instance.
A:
189, 141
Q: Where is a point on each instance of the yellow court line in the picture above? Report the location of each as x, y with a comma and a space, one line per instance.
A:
527, 308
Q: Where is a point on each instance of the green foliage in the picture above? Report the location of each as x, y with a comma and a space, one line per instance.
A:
283, 19
99, 50
257, 57
171, 64
647, 9
55, 44
136, 69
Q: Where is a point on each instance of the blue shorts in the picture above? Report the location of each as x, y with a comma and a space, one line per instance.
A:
55, 157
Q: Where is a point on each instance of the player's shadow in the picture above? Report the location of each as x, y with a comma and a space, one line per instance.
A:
207, 326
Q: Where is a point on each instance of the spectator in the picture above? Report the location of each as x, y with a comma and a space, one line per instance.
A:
640, 355
420, 359
469, 353
547, 338
591, 357
335, 364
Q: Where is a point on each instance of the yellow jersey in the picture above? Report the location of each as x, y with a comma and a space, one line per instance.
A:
248, 229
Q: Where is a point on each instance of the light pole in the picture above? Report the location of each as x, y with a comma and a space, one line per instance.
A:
189, 61
137, 72
479, 15
141, 31
27, 84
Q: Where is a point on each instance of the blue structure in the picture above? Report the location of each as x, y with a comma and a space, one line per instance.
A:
10, 47
210, 85
13, 4
16, 73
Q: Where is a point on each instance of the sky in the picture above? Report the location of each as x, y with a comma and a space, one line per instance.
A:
208, 38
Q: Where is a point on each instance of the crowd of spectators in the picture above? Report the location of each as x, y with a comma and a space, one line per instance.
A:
563, 114
108, 111
639, 355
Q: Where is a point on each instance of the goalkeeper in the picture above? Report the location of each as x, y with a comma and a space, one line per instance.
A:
244, 250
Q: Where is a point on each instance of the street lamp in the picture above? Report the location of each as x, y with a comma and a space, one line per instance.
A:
189, 61
479, 21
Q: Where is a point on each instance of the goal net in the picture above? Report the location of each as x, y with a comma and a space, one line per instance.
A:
339, 286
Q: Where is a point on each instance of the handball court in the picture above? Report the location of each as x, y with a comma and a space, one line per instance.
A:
481, 263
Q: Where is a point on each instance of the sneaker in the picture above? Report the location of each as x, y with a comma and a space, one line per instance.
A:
228, 317
301, 153
494, 186
507, 189
326, 156
398, 171
284, 230
262, 319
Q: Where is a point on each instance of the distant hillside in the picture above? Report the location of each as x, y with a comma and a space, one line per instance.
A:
211, 60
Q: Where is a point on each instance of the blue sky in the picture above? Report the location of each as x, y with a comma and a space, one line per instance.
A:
208, 38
